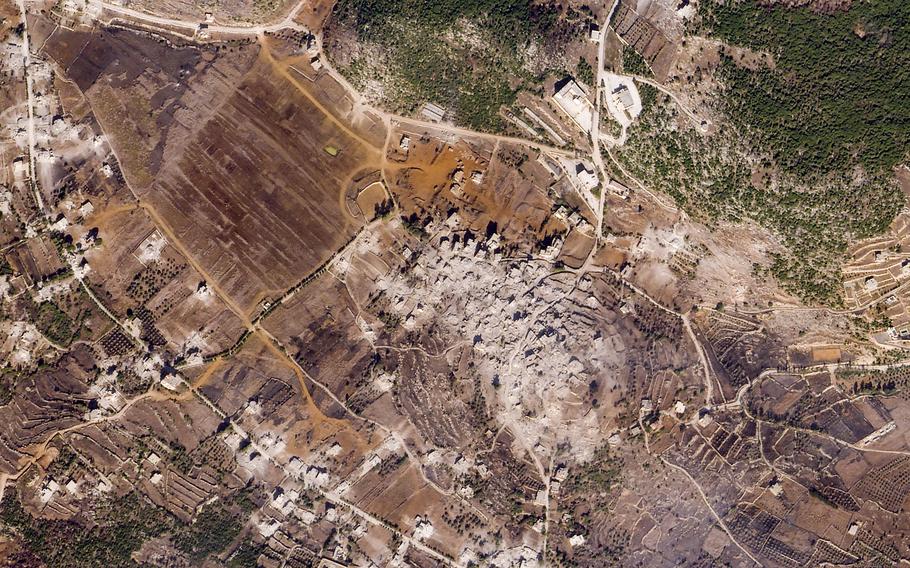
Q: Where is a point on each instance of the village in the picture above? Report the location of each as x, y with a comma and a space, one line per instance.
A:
250, 318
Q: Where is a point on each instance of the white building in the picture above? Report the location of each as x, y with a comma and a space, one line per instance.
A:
624, 97
577, 540
433, 112
585, 175
596, 34
573, 101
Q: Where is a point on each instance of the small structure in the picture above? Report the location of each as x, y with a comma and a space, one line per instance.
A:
86, 208
679, 408
171, 382
585, 175
316, 476
618, 188
561, 474
432, 112
404, 143
20, 169
624, 97
60, 224
48, 491
423, 529
871, 283
268, 527
306, 517
596, 33
577, 540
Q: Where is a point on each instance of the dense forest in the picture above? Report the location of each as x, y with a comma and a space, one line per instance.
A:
839, 93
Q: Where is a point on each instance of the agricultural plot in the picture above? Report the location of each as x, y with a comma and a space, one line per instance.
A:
258, 321
196, 168
877, 276
735, 348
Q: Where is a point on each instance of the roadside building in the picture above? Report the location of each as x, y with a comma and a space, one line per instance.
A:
624, 97
585, 175
572, 100
433, 112
596, 33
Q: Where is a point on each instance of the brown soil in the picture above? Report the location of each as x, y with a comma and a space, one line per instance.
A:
227, 149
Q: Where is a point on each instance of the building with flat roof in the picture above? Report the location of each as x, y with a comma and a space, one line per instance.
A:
596, 33
584, 173
433, 112
573, 101
624, 97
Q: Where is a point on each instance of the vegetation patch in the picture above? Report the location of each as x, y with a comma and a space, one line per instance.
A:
9, 378
470, 57
213, 530
584, 72
837, 95
810, 143
634, 64
722, 177
52, 322
246, 555
119, 529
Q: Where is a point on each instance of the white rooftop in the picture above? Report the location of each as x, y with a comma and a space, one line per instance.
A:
573, 101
